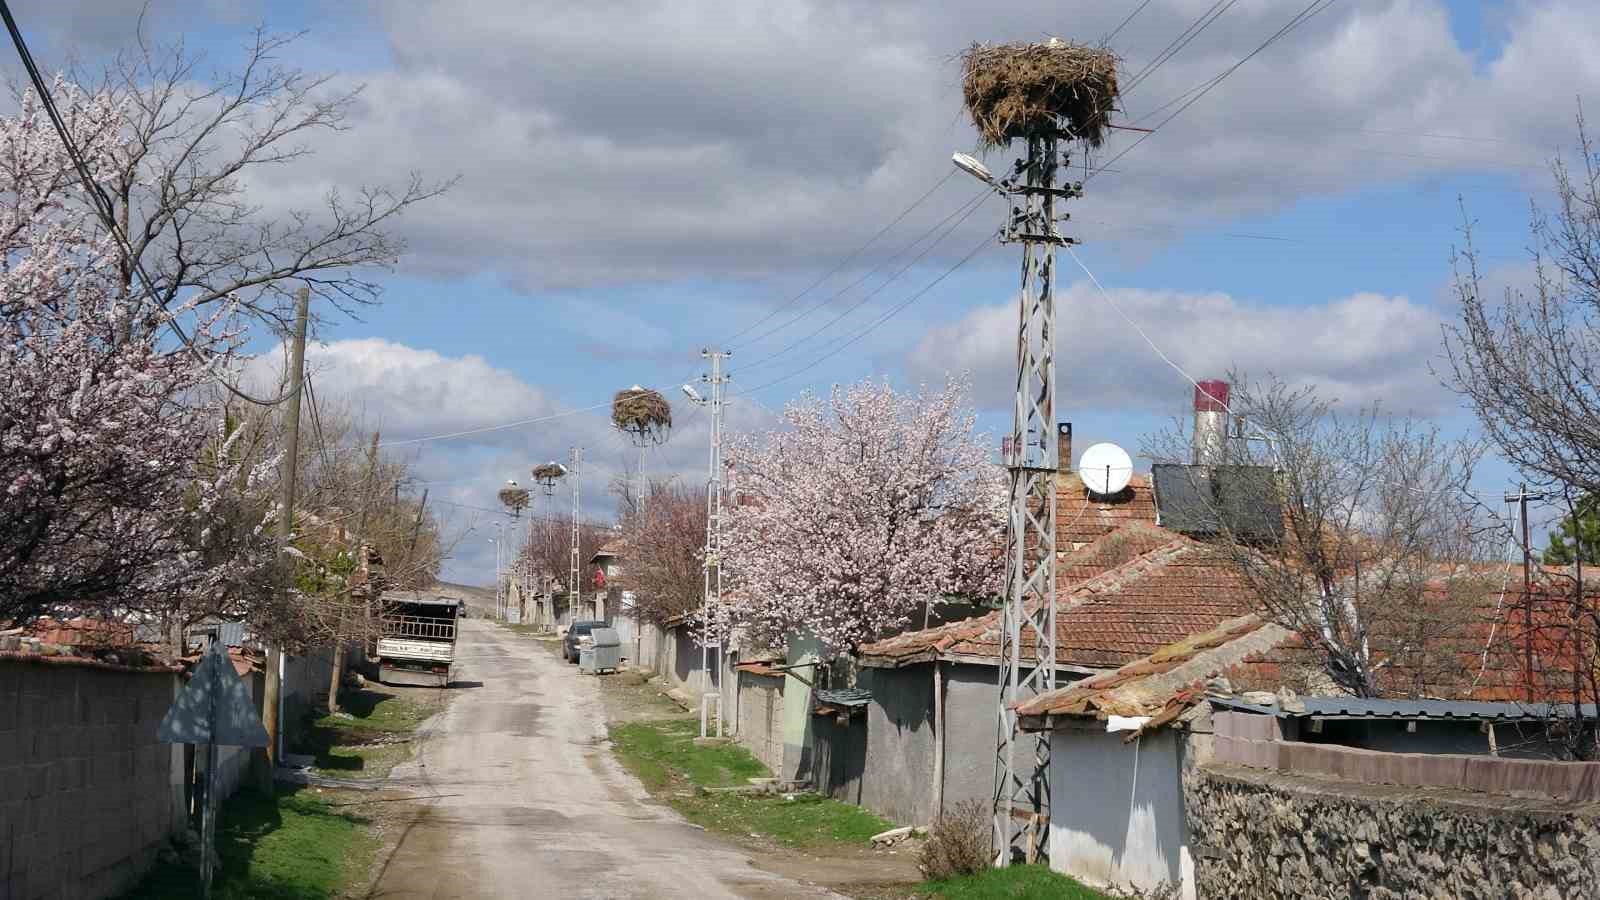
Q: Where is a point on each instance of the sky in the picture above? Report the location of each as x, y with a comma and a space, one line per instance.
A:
638, 180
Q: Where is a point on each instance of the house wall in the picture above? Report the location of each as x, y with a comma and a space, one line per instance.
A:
88, 796
898, 780
1271, 834
1116, 809
840, 755
970, 697
760, 717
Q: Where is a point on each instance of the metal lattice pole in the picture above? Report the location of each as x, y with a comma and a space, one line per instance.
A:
709, 640
1028, 635
574, 589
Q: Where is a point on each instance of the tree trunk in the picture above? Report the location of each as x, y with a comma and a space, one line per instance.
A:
338, 675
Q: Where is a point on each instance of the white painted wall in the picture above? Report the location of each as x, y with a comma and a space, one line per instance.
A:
1117, 809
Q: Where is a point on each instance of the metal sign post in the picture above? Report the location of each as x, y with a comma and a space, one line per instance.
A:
214, 709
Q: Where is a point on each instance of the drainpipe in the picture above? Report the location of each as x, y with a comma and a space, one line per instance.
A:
938, 739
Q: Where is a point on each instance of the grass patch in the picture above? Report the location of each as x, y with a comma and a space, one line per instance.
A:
663, 755
667, 748
1011, 883
808, 820
289, 846
372, 736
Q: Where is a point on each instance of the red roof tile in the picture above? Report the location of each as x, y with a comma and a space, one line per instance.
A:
1164, 684
1081, 518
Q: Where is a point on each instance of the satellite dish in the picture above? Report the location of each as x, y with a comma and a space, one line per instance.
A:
1105, 469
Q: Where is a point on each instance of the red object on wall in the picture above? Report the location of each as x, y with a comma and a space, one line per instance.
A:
599, 577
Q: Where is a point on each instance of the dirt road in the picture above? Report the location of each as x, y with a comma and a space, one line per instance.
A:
527, 801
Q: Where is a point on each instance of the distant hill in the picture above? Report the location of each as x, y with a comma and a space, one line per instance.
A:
476, 596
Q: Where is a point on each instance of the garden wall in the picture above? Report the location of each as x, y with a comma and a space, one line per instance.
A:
1260, 833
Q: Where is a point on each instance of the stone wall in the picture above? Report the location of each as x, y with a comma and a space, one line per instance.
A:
1267, 834
87, 794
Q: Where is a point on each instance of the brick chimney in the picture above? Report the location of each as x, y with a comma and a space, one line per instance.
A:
1063, 446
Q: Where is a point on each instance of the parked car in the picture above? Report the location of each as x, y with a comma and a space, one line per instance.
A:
577, 635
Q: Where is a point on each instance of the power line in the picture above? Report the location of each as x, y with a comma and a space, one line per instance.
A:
893, 311
843, 262
868, 274
966, 211
1300, 18
1118, 30
105, 211
1178, 43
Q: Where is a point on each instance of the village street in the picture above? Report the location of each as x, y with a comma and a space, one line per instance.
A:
520, 797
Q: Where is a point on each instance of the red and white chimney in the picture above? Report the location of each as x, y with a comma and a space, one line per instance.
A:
1210, 442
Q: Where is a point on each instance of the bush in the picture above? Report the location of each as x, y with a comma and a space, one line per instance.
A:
958, 843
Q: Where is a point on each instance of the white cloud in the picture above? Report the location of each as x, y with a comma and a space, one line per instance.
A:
409, 393
654, 141
1361, 348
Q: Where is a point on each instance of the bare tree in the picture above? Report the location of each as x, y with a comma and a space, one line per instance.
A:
664, 540
196, 139
1355, 530
1527, 360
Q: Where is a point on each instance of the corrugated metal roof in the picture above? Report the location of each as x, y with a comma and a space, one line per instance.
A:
1372, 708
844, 696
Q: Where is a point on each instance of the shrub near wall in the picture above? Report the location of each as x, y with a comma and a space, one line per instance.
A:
1265, 834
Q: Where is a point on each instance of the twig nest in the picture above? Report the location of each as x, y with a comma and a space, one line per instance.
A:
514, 498
549, 471
1014, 90
643, 413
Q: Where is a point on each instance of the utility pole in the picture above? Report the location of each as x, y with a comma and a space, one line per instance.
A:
574, 588
1521, 498
271, 694
709, 639
1021, 784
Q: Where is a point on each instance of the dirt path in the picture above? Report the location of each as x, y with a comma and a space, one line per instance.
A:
526, 800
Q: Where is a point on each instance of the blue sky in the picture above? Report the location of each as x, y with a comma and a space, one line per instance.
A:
641, 179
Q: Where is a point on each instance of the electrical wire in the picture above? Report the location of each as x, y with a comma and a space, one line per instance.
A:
965, 212
1105, 295
1178, 43
1118, 30
869, 273
103, 208
842, 263
891, 313
1300, 18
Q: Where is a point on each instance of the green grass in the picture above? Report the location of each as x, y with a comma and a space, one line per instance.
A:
369, 740
663, 756
808, 820
1011, 883
291, 846
664, 749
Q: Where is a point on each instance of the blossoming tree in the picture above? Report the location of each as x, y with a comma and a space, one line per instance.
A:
102, 507
859, 513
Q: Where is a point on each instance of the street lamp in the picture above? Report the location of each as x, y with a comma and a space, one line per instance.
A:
693, 395
970, 165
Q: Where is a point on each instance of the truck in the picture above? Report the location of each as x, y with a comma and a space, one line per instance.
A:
417, 638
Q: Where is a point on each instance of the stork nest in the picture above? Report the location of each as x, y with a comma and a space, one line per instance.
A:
643, 413
549, 471
1015, 90
514, 498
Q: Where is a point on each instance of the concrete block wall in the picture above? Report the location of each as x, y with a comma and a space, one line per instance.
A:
760, 725
88, 796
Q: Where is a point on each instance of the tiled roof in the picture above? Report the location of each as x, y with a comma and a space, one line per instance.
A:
1179, 589
1080, 517
87, 643
1163, 685
1175, 589
609, 548
1108, 551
